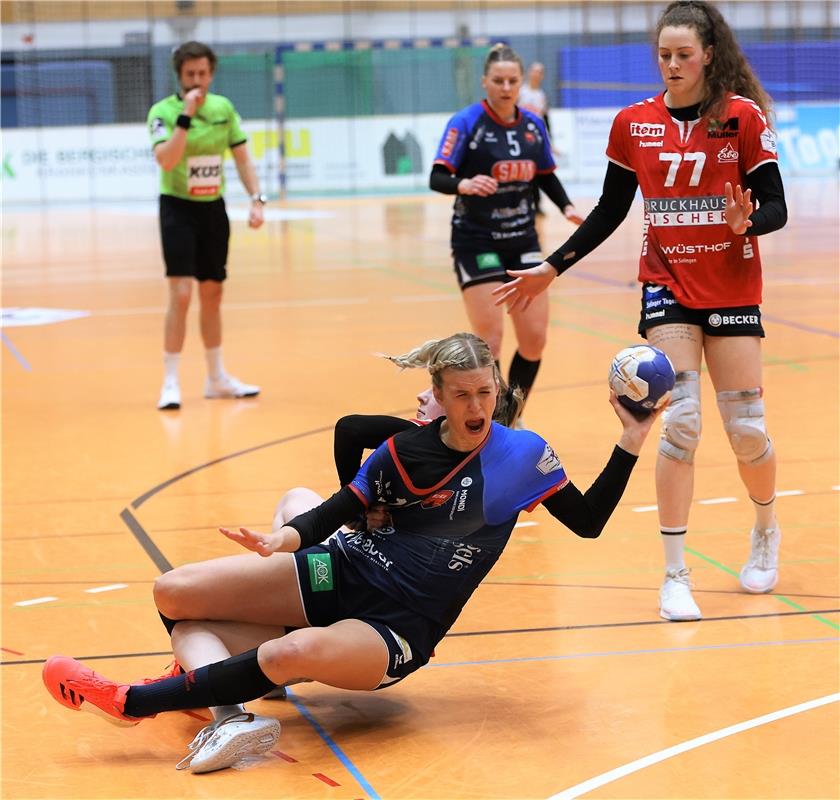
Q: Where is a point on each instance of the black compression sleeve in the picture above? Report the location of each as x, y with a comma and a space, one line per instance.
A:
318, 523
356, 433
551, 185
586, 514
616, 198
443, 181
767, 188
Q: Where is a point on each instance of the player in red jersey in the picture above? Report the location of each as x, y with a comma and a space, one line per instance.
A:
700, 152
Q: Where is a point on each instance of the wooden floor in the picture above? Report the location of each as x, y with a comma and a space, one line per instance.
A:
560, 679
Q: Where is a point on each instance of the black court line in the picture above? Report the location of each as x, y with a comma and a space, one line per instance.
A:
504, 632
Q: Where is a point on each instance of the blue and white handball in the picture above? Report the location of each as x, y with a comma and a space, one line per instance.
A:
643, 378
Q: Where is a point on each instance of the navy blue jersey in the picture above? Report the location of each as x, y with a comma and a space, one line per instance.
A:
478, 142
446, 536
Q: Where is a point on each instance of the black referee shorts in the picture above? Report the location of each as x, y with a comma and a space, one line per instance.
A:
195, 238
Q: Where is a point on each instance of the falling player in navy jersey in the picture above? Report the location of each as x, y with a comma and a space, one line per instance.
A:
364, 608
492, 156
700, 151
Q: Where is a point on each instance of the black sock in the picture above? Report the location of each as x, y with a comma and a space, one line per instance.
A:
522, 372
234, 680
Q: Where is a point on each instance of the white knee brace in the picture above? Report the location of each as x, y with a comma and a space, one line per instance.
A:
681, 419
743, 419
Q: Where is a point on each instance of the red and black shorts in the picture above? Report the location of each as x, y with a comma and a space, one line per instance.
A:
660, 307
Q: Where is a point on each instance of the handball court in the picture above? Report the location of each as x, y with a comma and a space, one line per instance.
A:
559, 679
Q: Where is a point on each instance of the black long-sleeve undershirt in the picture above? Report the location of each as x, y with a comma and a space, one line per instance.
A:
356, 433
619, 189
585, 514
443, 181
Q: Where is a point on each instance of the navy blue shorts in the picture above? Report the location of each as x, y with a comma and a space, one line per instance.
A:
660, 307
332, 589
484, 264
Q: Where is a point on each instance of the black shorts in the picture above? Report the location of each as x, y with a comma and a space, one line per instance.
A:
332, 589
195, 238
485, 264
659, 307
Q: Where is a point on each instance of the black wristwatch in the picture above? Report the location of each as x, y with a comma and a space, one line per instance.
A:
262, 199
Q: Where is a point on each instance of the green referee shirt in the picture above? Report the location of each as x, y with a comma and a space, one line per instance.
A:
199, 175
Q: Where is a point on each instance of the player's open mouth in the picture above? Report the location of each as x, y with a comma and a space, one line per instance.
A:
475, 425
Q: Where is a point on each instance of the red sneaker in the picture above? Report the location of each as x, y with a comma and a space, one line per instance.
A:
76, 686
173, 670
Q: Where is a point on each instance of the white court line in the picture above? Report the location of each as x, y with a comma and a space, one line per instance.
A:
789, 493
714, 501
526, 524
109, 588
35, 601
691, 744
642, 509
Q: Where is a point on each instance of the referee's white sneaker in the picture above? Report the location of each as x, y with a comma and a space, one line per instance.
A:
226, 385
170, 395
675, 600
223, 743
761, 573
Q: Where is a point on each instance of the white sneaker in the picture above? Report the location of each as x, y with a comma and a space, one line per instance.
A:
170, 396
675, 600
226, 741
228, 386
761, 573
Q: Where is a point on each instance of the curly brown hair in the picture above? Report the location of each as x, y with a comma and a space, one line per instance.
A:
729, 70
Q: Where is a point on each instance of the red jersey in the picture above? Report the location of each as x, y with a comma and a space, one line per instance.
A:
682, 168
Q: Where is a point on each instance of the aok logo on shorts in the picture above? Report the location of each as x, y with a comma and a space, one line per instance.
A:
652, 129
320, 572
716, 320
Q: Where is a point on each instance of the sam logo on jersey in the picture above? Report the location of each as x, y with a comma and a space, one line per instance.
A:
651, 129
512, 171
449, 142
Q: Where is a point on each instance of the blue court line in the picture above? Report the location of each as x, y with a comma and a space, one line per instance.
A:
15, 352
337, 751
632, 652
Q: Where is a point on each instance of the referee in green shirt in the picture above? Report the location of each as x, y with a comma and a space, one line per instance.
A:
191, 131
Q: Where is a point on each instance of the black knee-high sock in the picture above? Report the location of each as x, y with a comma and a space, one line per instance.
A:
234, 680
523, 373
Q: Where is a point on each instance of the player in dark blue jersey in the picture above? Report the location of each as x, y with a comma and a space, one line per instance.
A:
366, 607
492, 156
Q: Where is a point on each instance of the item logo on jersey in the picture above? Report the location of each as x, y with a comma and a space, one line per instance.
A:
449, 142
468, 481
320, 572
649, 129
437, 499
677, 211
529, 137
510, 171
728, 154
768, 140
548, 462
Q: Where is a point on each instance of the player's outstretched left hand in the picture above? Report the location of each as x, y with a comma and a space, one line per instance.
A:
571, 214
739, 206
527, 285
635, 429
